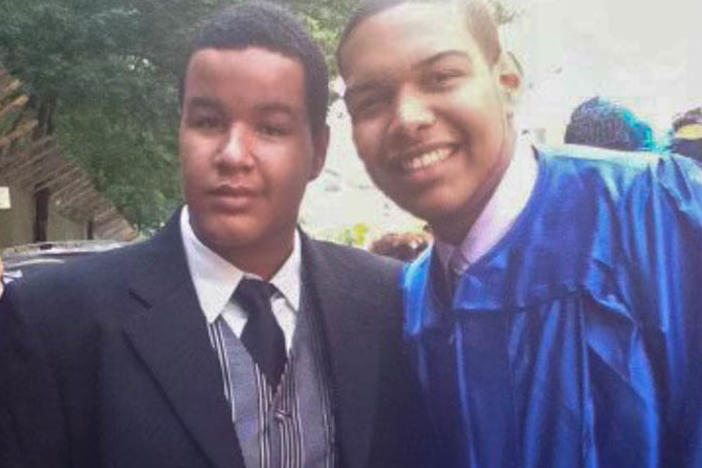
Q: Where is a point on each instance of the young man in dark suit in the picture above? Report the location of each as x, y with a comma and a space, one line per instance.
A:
230, 339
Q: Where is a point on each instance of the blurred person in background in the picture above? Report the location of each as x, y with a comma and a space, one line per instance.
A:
404, 247
604, 124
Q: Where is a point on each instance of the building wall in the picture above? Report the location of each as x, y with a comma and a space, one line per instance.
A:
61, 228
17, 223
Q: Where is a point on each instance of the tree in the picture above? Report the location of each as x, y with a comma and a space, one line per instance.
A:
103, 79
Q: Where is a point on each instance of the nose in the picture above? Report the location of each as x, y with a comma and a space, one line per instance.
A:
235, 152
412, 113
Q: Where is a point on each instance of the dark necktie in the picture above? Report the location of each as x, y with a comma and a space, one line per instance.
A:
262, 336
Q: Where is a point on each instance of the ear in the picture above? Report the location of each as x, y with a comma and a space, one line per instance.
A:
320, 144
508, 72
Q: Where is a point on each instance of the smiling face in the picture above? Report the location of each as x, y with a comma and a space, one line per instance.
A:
246, 150
430, 115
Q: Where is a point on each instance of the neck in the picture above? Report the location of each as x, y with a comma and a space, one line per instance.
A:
262, 258
454, 229
265, 267
266, 259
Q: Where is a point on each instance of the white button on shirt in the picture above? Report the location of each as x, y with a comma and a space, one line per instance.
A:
215, 280
498, 215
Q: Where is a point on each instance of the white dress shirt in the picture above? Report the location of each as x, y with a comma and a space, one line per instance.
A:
215, 280
504, 207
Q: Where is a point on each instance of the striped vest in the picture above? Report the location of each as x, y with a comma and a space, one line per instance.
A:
288, 427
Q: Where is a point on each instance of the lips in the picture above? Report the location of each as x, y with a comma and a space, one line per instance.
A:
232, 197
232, 191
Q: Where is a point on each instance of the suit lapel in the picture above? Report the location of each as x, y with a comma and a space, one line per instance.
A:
170, 335
351, 336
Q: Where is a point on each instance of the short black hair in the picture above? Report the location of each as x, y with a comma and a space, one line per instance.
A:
479, 21
270, 27
604, 124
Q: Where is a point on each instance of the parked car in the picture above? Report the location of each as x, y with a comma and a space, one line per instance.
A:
25, 260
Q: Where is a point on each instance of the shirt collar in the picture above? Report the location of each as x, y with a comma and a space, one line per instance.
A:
215, 279
500, 212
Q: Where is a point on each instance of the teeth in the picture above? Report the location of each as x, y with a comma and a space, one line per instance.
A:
425, 159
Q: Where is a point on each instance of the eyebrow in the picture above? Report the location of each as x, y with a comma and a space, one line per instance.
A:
353, 90
260, 108
431, 60
276, 107
201, 101
365, 86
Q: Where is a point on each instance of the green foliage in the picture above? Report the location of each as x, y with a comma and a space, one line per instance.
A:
325, 20
354, 236
108, 71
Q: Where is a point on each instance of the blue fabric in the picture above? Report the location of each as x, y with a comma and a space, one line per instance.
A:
577, 340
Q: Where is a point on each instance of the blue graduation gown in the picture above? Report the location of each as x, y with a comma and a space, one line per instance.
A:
577, 340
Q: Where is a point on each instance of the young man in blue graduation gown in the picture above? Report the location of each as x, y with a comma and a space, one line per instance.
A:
556, 321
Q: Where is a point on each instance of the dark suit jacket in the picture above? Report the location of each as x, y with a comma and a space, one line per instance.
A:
106, 362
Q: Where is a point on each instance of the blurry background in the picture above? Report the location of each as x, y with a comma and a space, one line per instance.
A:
642, 54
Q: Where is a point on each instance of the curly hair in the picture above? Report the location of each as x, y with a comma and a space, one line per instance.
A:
601, 123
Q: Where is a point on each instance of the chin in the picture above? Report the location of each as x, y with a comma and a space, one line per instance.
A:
433, 204
226, 234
